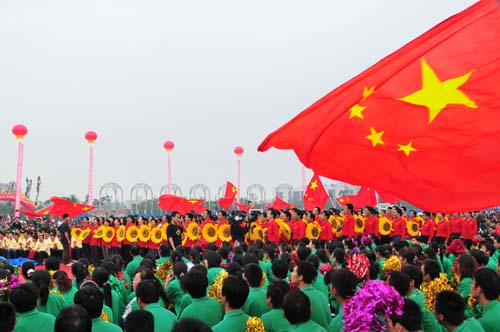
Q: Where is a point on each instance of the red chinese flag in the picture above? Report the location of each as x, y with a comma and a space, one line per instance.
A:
315, 194
343, 200
279, 204
365, 197
44, 211
172, 203
244, 207
226, 201
421, 124
190, 205
386, 197
61, 206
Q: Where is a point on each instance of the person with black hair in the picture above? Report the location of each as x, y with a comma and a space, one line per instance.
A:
303, 252
449, 310
27, 269
7, 317
64, 287
485, 289
173, 285
255, 305
202, 307
318, 282
92, 299
466, 268
190, 325
480, 257
74, 318
80, 272
342, 287
164, 252
52, 263
139, 321
65, 232
147, 297
111, 298
234, 294
135, 252
303, 276
430, 270
409, 321
400, 281
489, 249
25, 299
279, 268
274, 320
212, 261
297, 310
48, 302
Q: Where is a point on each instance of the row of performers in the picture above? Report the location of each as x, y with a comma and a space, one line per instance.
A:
277, 226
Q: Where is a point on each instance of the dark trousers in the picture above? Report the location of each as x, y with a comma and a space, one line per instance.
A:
125, 252
86, 250
66, 258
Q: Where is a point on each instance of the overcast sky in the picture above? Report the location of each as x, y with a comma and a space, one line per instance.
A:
208, 75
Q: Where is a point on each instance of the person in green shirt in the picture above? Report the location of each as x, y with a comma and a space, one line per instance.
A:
297, 309
342, 287
255, 305
74, 318
274, 320
64, 287
409, 321
173, 285
164, 252
202, 307
303, 276
234, 294
485, 289
139, 321
111, 298
135, 252
212, 262
25, 299
449, 309
48, 302
148, 295
429, 322
279, 270
92, 299
489, 249
466, 267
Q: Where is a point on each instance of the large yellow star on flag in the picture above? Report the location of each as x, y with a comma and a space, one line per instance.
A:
375, 137
233, 189
407, 149
436, 94
314, 185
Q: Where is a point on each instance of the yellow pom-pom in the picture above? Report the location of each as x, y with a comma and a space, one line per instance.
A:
263, 280
392, 264
215, 290
254, 324
104, 316
433, 288
163, 270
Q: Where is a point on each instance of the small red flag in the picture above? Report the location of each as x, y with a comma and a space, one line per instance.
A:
421, 124
244, 207
279, 204
315, 195
365, 197
61, 206
226, 201
180, 204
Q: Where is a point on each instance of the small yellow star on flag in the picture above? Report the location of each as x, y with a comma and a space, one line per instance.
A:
407, 149
356, 111
314, 185
375, 137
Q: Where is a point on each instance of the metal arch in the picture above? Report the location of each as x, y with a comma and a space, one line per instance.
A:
260, 189
115, 188
204, 189
284, 188
176, 190
221, 191
147, 191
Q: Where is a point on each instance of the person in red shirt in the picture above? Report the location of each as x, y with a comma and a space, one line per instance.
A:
188, 219
469, 228
95, 244
456, 226
115, 244
272, 227
427, 228
86, 241
299, 231
348, 224
286, 217
125, 247
142, 244
326, 228
221, 220
442, 229
398, 225
371, 222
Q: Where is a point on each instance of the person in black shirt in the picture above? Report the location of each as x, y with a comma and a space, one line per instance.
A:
65, 238
174, 231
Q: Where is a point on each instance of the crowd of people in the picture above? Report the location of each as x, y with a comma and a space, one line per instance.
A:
289, 270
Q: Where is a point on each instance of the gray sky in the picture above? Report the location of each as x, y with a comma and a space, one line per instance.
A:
208, 75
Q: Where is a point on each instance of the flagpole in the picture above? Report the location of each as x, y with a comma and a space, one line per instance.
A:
19, 131
91, 137
303, 178
238, 151
169, 147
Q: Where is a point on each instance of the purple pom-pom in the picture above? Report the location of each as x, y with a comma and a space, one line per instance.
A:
368, 309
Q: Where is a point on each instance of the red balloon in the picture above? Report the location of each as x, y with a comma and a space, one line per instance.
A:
91, 136
20, 131
238, 151
169, 146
